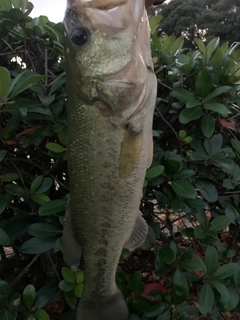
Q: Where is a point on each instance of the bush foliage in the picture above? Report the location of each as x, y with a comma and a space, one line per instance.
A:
191, 192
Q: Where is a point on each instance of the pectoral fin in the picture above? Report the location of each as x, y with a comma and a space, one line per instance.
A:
138, 235
71, 248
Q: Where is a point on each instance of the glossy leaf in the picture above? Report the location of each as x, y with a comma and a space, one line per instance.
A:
55, 147
208, 125
217, 107
206, 299
219, 223
188, 115
203, 83
41, 315
43, 230
4, 238
154, 172
2, 154
52, 207
211, 259
40, 198
68, 275
4, 83
154, 22
182, 95
36, 184
14, 189
29, 295
184, 189
226, 271
37, 245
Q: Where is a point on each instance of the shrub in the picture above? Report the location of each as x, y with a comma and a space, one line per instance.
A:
191, 191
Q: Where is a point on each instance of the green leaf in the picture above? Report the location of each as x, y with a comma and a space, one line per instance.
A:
221, 289
172, 165
5, 80
55, 147
226, 271
25, 84
166, 255
68, 275
211, 47
66, 286
184, 174
43, 230
201, 46
4, 238
182, 95
71, 299
166, 315
79, 290
154, 172
211, 259
14, 189
154, 22
36, 184
52, 207
236, 145
199, 232
197, 203
2, 154
45, 185
29, 296
177, 45
184, 189
41, 314
216, 143
180, 287
215, 93
188, 115
193, 103
207, 190
233, 300
203, 83
219, 223
9, 177
203, 220
136, 284
199, 156
206, 299
208, 125
79, 276
40, 198
3, 204
201, 263
37, 245
182, 134
231, 213
217, 107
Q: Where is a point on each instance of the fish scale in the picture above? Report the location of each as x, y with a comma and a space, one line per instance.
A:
110, 109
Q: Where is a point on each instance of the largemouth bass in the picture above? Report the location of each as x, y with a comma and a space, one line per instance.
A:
111, 97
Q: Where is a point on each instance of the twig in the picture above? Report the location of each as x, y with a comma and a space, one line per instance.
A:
170, 126
25, 270
164, 85
27, 161
21, 177
54, 268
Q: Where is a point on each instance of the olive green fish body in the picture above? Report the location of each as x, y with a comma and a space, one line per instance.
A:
111, 98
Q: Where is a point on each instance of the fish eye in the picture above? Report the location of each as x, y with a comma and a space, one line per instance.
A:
79, 36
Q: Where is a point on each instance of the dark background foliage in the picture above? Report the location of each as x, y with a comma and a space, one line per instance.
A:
206, 19
188, 267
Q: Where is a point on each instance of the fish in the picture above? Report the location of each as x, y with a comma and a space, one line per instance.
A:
111, 94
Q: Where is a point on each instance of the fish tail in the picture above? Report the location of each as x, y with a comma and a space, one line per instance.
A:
111, 308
